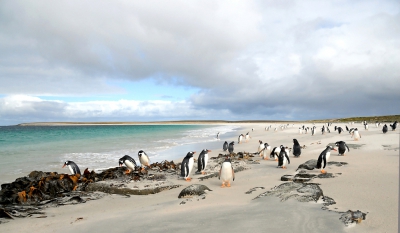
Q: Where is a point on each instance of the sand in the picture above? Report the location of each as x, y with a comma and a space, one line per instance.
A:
369, 183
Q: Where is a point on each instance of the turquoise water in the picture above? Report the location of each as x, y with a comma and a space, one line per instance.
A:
46, 148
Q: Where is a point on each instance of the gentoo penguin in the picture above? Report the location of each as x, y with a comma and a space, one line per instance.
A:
366, 126
226, 173
283, 158
394, 126
247, 137
324, 157
342, 147
323, 129
230, 147
312, 131
327, 129
218, 135
296, 148
187, 165
73, 168
225, 146
129, 162
260, 148
266, 151
340, 130
356, 134
300, 130
240, 138
143, 159
385, 129
202, 161
275, 152
347, 128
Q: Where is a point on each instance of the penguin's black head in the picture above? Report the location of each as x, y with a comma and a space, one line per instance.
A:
121, 161
140, 153
67, 163
190, 153
260, 141
295, 141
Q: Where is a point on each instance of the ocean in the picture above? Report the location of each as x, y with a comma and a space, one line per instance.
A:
45, 148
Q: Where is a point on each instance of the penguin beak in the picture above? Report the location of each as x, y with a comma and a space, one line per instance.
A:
63, 165
334, 149
208, 150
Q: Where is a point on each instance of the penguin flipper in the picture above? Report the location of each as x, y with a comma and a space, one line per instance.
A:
233, 174
348, 149
219, 174
324, 161
287, 157
319, 162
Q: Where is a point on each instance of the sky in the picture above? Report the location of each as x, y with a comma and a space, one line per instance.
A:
198, 60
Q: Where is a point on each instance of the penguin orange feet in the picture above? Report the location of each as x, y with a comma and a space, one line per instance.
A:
323, 171
283, 167
188, 179
266, 159
127, 172
276, 159
228, 185
203, 172
223, 185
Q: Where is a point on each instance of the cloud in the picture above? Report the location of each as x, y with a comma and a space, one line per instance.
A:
247, 59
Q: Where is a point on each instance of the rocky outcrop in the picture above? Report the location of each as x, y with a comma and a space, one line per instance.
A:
193, 190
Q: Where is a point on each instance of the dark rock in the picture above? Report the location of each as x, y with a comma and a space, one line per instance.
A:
193, 190
302, 192
326, 175
338, 164
352, 217
328, 201
107, 188
309, 165
287, 178
254, 189
305, 175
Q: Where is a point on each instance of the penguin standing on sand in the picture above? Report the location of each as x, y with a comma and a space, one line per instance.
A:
283, 158
230, 147
394, 126
218, 135
356, 134
275, 152
129, 162
247, 137
324, 158
300, 130
339, 130
225, 146
73, 168
296, 148
143, 159
260, 148
202, 161
342, 146
366, 126
240, 138
266, 151
226, 173
385, 129
187, 165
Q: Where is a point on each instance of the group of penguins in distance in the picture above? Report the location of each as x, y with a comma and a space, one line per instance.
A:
226, 172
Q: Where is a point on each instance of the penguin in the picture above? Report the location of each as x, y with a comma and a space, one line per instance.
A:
226, 173
202, 161
260, 148
385, 129
351, 131
218, 135
312, 131
324, 157
247, 137
342, 147
339, 130
296, 148
225, 146
394, 126
187, 165
327, 129
376, 124
230, 147
240, 138
129, 162
73, 168
300, 130
283, 158
275, 152
366, 126
323, 129
143, 159
356, 134
347, 128
266, 151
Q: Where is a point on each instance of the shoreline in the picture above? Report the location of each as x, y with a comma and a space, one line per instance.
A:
371, 192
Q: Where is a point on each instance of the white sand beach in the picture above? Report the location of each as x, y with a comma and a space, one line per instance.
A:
369, 183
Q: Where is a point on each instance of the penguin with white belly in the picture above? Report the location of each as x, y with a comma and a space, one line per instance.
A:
73, 168
187, 165
129, 162
356, 134
260, 148
324, 158
283, 158
143, 159
202, 161
240, 138
226, 173
275, 152
266, 151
